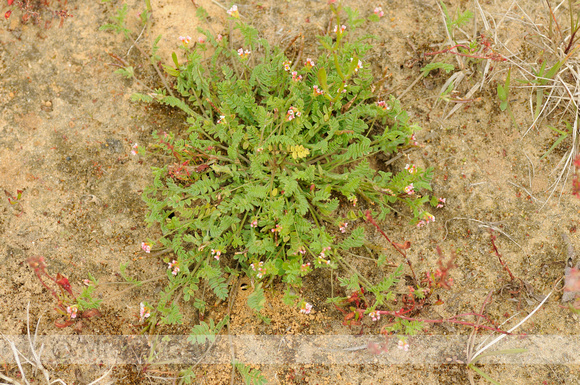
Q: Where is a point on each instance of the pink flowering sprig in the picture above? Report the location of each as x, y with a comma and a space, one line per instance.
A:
403, 344
426, 218
296, 77
134, 149
317, 90
185, 40
411, 168
305, 307
233, 12
377, 14
243, 54
259, 269
292, 114
173, 266
146, 247
144, 312
216, 253
339, 31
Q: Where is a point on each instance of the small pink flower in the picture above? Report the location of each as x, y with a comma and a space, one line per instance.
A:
216, 253
305, 267
421, 223
174, 265
429, 218
309, 63
321, 261
86, 282
185, 39
413, 140
287, 65
292, 114
261, 270
379, 12
201, 39
441, 203
233, 12
301, 251
353, 200
134, 149
403, 345
411, 168
243, 54
317, 90
254, 223
146, 246
305, 308
276, 229
358, 66
222, 119
342, 28
383, 105
143, 312
219, 37
375, 315
410, 189
343, 227
72, 311
296, 77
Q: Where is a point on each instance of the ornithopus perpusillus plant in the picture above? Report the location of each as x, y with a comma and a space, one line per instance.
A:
274, 168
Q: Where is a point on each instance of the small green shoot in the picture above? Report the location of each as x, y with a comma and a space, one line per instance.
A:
435, 66
503, 91
118, 22
249, 375
472, 366
461, 18
541, 79
563, 135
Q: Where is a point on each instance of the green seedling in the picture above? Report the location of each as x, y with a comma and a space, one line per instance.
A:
461, 18
249, 375
16, 201
542, 78
503, 91
435, 66
472, 364
563, 135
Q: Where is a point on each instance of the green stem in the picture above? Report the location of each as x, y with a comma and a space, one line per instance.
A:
314, 215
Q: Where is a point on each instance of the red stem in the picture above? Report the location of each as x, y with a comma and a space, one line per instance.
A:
371, 220
505, 266
450, 320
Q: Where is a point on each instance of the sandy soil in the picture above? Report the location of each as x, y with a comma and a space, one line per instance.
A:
66, 130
